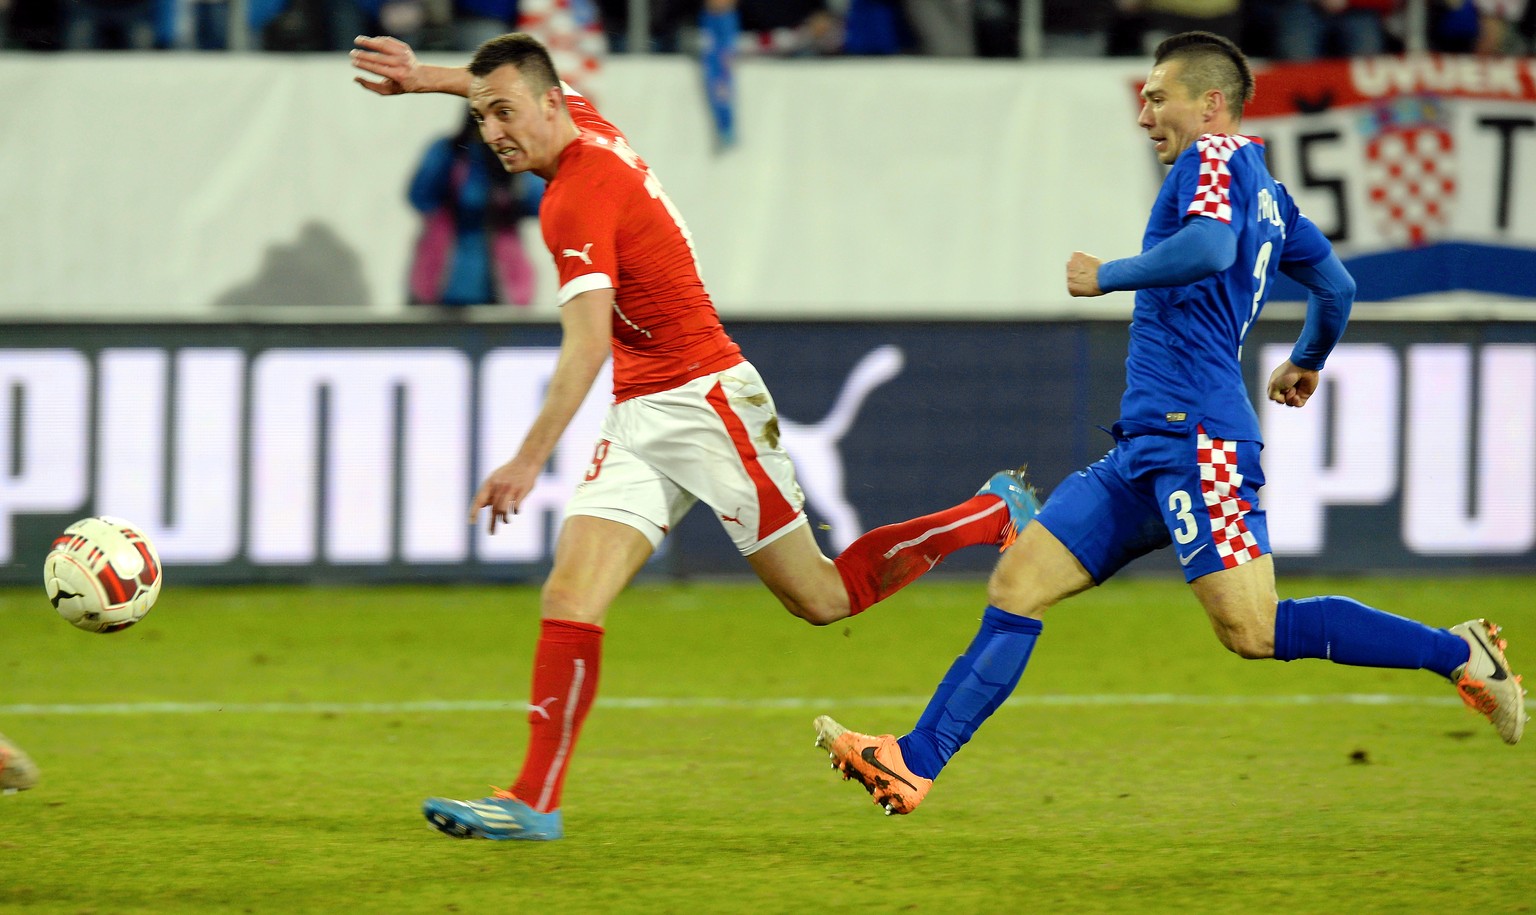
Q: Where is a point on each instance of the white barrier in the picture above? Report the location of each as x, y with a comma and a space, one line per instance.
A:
155, 186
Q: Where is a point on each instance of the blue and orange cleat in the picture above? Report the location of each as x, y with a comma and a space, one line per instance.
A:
1023, 502
500, 816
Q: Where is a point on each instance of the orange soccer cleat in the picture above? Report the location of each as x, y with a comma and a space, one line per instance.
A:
876, 763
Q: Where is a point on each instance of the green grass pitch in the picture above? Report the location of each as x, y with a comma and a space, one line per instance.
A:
266, 749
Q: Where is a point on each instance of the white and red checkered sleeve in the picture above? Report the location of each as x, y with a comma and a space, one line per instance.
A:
1213, 190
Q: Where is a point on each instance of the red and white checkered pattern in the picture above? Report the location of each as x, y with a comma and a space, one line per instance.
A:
1411, 173
1213, 196
574, 36
1219, 485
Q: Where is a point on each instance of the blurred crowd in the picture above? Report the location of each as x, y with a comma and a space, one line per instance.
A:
1277, 29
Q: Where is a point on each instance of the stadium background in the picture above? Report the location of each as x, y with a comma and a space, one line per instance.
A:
202, 289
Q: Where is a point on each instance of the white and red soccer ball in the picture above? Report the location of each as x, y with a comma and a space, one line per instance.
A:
102, 575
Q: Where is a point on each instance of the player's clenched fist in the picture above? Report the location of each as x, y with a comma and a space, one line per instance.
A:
1291, 384
1083, 275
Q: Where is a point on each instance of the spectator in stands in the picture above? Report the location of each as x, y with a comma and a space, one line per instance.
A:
36, 25
944, 28
98, 25
470, 251
329, 25
794, 27
1141, 24
209, 26
478, 21
1076, 28
1485, 27
1316, 29
669, 18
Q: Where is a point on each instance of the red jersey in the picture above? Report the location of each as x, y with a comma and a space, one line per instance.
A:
609, 225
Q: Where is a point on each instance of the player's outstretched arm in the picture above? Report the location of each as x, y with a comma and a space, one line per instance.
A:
1201, 247
394, 61
586, 326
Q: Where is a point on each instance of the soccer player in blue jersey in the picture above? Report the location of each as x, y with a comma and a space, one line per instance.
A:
1184, 470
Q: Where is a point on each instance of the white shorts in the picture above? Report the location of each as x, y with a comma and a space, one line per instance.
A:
714, 440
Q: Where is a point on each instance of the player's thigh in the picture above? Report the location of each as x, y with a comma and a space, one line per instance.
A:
801, 576
595, 559
1207, 490
622, 487
1035, 573
717, 438
1104, 516
1240, 603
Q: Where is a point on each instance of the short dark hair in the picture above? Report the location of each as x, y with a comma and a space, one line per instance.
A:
522, 51
1210, 62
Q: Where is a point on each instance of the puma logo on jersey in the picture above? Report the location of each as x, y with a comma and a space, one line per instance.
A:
572, 252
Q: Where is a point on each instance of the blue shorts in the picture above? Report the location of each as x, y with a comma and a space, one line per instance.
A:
1194, 492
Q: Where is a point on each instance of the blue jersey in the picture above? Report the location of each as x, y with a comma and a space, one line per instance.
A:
1184, 368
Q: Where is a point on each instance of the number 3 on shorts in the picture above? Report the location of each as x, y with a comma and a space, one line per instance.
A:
1179, 503
600, 453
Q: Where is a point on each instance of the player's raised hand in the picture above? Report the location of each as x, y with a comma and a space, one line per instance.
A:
503, 492
1291, 385
389, 58
1083, 275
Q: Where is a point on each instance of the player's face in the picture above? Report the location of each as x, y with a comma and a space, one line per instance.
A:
518, 126
1172, 116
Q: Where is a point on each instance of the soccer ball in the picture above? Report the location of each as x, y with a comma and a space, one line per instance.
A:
103, 574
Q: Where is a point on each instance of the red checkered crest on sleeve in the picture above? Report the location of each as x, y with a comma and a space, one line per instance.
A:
1213, 195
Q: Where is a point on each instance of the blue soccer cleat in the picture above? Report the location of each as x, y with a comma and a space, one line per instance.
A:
1023, 503
500, 816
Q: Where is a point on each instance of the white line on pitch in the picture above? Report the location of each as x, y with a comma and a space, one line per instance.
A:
649, 703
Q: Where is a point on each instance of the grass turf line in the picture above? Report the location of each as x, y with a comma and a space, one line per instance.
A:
1101, 808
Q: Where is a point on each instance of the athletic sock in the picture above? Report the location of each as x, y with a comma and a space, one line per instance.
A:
889, 558
1346, 631
565, 666
977, 683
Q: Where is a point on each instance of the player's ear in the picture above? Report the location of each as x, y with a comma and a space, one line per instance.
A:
1213, 104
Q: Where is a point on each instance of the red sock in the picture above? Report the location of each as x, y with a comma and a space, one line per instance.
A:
565, 666
889, 558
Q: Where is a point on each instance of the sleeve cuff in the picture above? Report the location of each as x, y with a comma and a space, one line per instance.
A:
584, 283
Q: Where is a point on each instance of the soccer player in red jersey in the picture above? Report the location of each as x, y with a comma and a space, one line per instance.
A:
691, 421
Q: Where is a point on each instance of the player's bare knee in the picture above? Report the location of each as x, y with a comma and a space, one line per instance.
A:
560, 602
1010, 593
817, 613
1247, 642
1005, 590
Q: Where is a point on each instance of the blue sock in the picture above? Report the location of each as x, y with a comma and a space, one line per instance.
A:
976, 684
1346, 631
